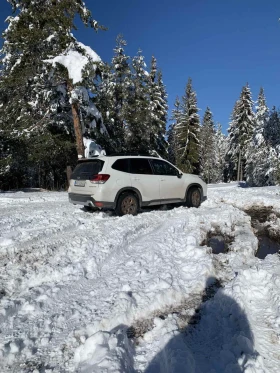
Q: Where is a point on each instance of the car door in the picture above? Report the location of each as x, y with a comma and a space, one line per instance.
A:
172, 187
143, 179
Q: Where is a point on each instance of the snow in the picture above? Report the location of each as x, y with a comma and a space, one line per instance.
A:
92, 148
75, 61
92, 292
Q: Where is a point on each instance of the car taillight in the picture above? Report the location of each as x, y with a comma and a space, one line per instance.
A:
99, 178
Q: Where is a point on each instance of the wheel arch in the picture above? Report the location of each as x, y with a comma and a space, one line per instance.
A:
128, 189
194, 185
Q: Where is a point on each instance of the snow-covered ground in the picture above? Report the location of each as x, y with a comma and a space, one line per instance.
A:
92, 292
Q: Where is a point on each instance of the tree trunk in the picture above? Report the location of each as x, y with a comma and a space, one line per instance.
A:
238, 169
77, 125
78, 131
68, 173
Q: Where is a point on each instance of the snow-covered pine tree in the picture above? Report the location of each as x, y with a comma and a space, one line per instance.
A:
138, 130
77, 66
257, 164
113, 95
240, 132
105, 103
122, 81
171, 133
232, 141
208, 156
35, 105
272, 137
157, 111
272, 128
220, 150
187, 132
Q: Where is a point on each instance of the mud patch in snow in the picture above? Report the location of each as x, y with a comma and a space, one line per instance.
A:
218, 241
267, 246
266, 226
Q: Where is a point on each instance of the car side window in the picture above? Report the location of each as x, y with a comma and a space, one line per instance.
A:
140, 166
163, 168
121, 165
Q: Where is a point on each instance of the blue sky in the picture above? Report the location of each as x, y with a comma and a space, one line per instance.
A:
220, 44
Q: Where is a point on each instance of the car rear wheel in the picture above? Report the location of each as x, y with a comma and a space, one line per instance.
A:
127, 204
193, 197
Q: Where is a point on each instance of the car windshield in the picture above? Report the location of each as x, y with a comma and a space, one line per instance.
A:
85, 170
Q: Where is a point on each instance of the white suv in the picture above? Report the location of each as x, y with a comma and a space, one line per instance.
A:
127, 183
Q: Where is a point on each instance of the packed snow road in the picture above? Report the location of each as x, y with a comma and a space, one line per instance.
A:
92, 292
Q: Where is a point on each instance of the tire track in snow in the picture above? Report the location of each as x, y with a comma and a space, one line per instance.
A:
61, 303
101, 287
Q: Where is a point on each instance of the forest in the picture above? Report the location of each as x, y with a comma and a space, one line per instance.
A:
48, 112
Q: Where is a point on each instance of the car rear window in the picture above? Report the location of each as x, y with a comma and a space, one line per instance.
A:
121, 165
85, 170
140, 166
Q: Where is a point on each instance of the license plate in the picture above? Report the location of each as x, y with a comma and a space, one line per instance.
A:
80, 183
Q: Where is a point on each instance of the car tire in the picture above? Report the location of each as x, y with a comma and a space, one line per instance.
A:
127, 204
193, 197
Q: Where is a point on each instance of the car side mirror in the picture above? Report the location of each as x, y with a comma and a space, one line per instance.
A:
179, 175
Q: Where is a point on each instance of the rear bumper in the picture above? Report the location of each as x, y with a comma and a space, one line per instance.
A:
87, 200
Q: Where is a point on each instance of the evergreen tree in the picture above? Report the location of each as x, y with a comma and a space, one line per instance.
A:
272, 128
272, 137
114, 94
105, 103
257, 164
240, 132
220, 151
157, 111
171, 133
138, 129
208, 156
187, 132
35, 103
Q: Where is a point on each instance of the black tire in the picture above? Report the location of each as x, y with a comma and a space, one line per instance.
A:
127, 204
193, 197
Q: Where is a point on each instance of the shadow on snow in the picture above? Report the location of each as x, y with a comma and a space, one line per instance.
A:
218, 339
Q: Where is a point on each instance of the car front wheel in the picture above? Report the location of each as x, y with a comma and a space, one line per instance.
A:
127, 204
193, 197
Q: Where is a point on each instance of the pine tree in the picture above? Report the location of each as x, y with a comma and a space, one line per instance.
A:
187, 132
272, 128
35, 103
208, 158
114, 92
272, 138
240, 131
105, 103
220, 151
171, 133
257, 163
138, 129
157, 111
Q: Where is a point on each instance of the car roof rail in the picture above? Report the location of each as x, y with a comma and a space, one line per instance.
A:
136, 154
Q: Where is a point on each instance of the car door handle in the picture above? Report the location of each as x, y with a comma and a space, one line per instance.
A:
136, 179
162, 179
